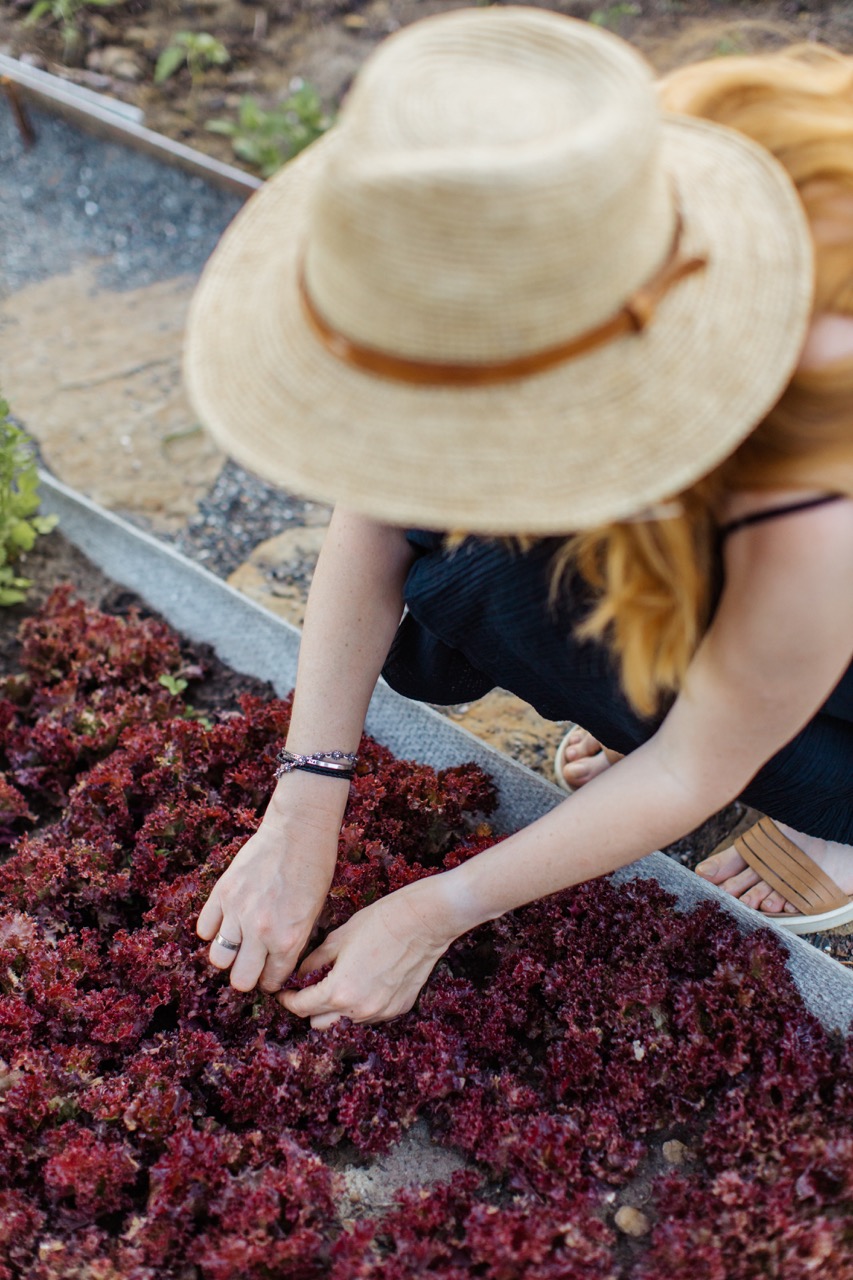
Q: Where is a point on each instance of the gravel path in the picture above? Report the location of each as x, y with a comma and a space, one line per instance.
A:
72, 197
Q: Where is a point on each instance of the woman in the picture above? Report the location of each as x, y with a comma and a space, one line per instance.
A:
506, 295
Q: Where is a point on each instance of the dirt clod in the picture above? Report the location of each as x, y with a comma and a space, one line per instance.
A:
631, 1221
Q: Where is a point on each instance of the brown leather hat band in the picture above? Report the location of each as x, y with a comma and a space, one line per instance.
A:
633, 317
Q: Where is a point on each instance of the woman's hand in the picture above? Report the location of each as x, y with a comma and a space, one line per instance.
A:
272, 893
380, 959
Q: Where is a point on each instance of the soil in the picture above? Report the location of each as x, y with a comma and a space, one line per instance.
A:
114, 47
91, 335
500, 718
53, 561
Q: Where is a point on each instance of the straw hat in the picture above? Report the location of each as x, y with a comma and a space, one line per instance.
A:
503, 293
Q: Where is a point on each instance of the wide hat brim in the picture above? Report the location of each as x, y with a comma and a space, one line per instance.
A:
591, 440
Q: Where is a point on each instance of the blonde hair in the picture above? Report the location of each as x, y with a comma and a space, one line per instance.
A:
654, 579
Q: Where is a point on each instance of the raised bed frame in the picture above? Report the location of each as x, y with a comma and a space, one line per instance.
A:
254, 641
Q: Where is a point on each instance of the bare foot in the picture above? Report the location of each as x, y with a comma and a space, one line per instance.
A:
584, 758
728, 870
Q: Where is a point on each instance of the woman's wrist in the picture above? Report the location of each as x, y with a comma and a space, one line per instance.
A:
448, 904
303, 799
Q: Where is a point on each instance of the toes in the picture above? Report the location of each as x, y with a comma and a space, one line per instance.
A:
738, 885
775, 903
757, 896
728, 870
721, 866
579, 745
577, 772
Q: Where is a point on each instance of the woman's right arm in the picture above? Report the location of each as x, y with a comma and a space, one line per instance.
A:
272, 893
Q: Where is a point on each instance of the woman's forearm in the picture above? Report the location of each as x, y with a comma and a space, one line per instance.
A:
622, 815
354, 608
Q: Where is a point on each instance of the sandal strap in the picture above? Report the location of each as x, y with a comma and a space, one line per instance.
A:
788, 870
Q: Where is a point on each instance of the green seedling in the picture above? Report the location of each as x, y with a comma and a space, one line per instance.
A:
198, 49
612, 16
728, 46
172, 684
67, 14
268, 139
176, 685
19, 501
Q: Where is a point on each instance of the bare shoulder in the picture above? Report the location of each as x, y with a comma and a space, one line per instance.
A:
789, 587
798, 527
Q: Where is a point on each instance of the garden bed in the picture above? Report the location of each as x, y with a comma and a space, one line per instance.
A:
598, 1064
114, 46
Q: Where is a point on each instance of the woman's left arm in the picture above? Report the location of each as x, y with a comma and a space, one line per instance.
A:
780, 641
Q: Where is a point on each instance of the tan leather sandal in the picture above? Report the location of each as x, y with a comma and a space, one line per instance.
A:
787, 869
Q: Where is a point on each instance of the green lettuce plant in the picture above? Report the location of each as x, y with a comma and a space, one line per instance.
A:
268, 139
66, 14
198, 49
19, 502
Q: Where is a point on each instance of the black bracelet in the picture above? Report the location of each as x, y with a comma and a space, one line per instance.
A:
349, 774
335, 764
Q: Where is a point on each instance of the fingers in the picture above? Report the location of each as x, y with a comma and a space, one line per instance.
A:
248, 958
324, 1021
226, 944
277, 969
316, 1000
210, 918
312, 1002
325, 954
247, 946
248, 964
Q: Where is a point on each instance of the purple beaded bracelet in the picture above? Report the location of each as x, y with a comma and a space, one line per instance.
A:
334, 764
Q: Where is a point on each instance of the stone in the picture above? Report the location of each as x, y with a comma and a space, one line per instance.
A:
110, 414
278, 572
631, 1221
116, 60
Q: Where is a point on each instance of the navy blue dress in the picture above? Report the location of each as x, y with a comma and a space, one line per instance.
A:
479, 618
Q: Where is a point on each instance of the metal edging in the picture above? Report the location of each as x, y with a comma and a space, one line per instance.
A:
257, 642
116, 121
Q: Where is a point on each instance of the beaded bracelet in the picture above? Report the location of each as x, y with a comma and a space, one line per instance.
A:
335, 764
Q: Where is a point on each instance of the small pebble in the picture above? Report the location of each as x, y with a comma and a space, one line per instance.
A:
631, 1221
675, 1152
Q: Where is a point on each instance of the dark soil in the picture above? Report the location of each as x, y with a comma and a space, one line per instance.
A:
272, 42
55, 560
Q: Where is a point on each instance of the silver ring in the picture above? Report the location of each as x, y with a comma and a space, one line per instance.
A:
223, 942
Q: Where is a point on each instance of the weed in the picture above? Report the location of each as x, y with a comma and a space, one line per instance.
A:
67, 14
268, 139
176, 685
612, 16
19, 500
198, 49
172, 684
729, 46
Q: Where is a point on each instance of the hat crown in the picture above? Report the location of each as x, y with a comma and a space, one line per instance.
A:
494, 187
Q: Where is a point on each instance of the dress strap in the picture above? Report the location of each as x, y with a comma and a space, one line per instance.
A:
772, 513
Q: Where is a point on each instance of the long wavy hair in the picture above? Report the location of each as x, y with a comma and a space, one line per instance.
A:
654, 578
